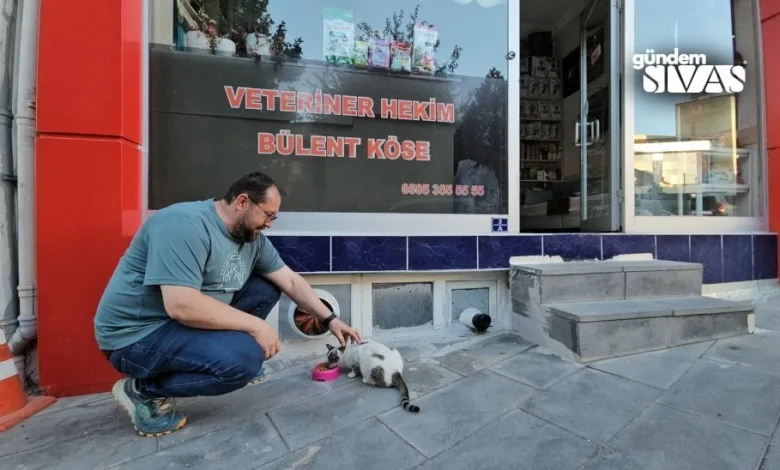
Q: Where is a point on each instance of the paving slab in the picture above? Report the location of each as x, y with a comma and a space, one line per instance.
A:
658, 368
369, 444
537, 367
771, 459
469, 422
516, 440
310, 420
424, 377
483, 354
214, 413
456, 411
592, 404
760, 351
662, 439
244, 445
103, 417
732, 394
768, 317
408, 353
73, 402
93, 451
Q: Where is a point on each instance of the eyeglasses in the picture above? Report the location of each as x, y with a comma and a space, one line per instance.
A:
268, 217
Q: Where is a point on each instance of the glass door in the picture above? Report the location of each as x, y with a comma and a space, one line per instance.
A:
597, 132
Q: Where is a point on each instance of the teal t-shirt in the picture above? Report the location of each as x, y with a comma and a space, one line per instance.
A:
186, 244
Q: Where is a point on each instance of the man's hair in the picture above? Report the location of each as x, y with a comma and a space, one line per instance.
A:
254, 185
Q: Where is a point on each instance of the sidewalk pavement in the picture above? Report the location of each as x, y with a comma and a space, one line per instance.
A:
496, 402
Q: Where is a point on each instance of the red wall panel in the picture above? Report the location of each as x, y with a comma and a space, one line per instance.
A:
773, 206
769, 8
771, 40
770, 32
90, 83
81, 237
88, 177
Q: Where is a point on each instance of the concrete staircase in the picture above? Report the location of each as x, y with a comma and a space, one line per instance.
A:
596, 310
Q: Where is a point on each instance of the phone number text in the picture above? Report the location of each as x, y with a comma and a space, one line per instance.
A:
424, 189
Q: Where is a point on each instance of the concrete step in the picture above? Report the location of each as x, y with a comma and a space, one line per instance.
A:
583, 281
600, 330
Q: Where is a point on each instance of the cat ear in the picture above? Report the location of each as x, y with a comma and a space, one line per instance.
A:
329, 347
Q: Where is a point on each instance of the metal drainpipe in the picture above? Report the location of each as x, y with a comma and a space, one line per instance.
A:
23, 101
9, 305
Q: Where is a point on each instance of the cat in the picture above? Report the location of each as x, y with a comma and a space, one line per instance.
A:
378, 364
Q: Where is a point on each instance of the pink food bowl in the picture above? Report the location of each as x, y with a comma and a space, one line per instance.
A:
321, 373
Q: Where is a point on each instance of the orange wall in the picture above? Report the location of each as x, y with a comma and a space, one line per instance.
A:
88, 177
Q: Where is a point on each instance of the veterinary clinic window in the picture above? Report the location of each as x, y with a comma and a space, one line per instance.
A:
351, 106
697, 152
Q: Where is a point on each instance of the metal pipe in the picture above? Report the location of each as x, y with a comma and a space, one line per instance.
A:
9, 305
23, 102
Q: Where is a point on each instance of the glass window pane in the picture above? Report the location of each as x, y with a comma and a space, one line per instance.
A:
696, 146
351, 106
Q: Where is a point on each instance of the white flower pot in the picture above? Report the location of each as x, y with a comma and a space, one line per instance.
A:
196, 40
258, 44
226, 47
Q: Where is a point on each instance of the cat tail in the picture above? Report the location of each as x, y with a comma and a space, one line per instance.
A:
400, 384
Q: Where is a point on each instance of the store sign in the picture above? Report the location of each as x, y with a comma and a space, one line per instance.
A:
335, 139
286, 143
687, 74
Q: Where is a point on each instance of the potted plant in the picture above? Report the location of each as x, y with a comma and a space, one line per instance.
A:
259, 42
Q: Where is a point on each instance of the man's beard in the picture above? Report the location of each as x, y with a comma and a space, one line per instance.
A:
242, 232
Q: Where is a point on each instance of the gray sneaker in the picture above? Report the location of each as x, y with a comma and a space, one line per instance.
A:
151, 417
258, 378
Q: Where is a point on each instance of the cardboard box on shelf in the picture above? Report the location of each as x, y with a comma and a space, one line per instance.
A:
552, 67
544, 110
556, 111
533, 88
539, 67
533, 110
544, 88
555, 89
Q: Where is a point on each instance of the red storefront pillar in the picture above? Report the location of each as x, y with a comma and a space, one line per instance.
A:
88, 176
770, 26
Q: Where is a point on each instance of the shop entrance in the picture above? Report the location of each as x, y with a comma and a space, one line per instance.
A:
570, 116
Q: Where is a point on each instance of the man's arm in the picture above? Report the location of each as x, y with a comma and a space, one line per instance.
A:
296, 287
270, 265
176, 256
197, 310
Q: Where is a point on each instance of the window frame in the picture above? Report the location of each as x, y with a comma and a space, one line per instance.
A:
159, 18
688, 224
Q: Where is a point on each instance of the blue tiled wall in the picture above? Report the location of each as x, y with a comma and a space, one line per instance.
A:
726, 258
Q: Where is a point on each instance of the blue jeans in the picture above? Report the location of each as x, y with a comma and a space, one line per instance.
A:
178, 361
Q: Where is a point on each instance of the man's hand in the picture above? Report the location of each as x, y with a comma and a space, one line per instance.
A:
342, 331
296, 287
266, 337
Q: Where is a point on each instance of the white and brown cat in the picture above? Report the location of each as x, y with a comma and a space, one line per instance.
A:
378, 364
